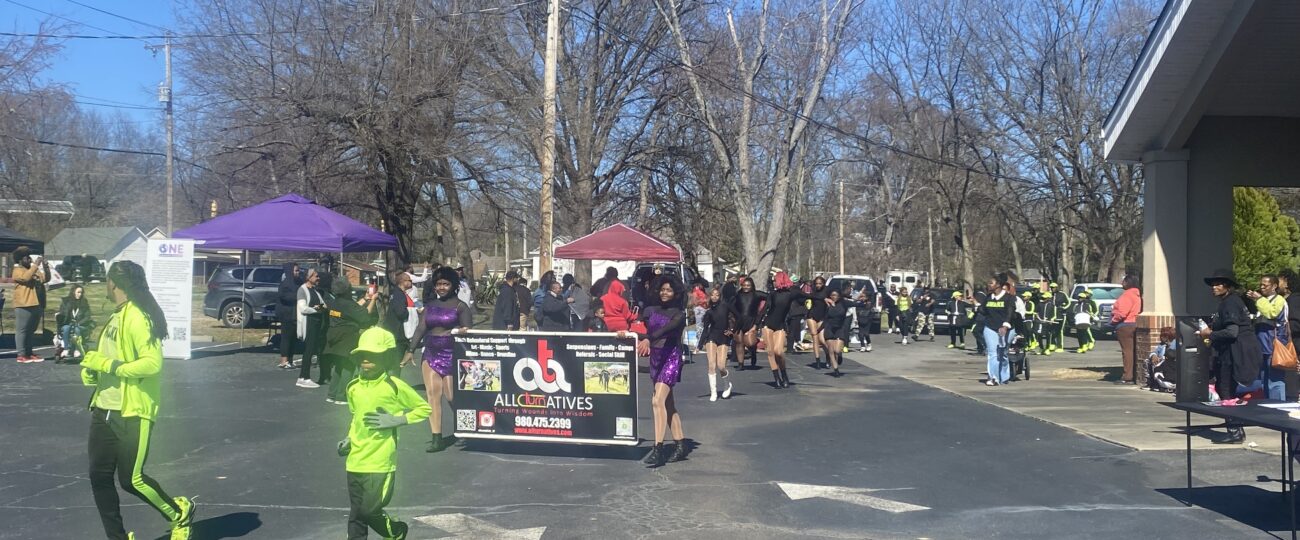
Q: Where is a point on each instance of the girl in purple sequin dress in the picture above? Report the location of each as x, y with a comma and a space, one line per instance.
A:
664, 324
443, 315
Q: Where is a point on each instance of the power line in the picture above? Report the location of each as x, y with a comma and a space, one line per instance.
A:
786, 110
492, 10
140, 107
73, 21
115, 102
85, 147
123, 17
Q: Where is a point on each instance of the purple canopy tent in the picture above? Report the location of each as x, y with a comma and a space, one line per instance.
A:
288, 223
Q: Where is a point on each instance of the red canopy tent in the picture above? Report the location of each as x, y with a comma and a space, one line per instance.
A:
619, 242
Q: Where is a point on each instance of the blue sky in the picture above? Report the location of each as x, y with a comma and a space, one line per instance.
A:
116, 70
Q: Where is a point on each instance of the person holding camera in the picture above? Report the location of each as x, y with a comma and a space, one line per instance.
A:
30, 277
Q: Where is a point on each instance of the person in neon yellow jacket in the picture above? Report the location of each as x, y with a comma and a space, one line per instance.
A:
371, 446
125, 369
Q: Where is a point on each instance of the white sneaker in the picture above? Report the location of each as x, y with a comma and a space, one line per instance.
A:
307, 383
726, 394
713, 396
868, 348
862, 349
904, 341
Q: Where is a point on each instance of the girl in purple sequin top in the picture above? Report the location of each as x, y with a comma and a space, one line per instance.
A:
664, 324
443, 315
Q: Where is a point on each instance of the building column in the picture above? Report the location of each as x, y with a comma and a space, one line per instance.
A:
1164, 245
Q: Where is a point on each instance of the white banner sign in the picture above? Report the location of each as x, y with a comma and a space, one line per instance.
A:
169, 265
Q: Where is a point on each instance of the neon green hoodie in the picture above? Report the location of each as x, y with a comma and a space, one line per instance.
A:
375, 450
126, 366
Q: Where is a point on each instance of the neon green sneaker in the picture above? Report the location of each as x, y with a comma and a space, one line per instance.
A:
130, 536
181, 529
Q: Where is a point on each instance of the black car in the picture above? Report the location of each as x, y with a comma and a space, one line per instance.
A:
81, 269
239, 295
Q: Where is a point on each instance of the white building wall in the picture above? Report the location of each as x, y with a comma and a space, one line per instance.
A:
134, 252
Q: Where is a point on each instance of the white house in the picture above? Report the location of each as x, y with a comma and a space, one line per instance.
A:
108, 244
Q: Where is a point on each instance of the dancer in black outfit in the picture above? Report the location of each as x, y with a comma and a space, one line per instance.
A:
747, 302
719, 327
836, 329
778, 306
816, 316
864, 319
794, 324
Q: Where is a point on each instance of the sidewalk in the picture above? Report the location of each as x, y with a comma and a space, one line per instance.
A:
1067, 389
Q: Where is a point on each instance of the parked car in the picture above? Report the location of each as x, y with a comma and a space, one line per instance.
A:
858, 282
1105, 295
943, 315
240, 295
81, 269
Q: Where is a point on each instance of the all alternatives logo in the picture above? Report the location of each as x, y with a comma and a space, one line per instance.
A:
540, 373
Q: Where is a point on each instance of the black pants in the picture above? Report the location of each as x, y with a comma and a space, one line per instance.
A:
288, 337
957, 334
118, 447
314, 339
864, 329
978, 333
903, 323
369, 494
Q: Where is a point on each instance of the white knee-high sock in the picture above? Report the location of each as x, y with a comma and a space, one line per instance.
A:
713, 384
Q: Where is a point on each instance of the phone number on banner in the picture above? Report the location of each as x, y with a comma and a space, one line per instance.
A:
543, 422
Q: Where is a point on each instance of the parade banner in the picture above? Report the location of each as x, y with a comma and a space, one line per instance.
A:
546, 387
169, 269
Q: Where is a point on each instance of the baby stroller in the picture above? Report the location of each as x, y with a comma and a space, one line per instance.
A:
1017, 357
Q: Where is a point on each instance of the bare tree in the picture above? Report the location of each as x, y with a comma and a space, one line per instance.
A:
760, 212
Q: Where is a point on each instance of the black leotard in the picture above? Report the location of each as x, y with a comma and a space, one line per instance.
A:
746, 307
818, 310
778, 306
718, 319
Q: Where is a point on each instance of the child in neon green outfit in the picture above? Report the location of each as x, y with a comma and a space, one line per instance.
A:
371, 446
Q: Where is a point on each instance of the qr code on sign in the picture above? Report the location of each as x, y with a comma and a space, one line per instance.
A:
465, 419
180, 333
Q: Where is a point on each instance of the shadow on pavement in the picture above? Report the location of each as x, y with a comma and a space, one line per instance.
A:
516, 448
197, 355
1259, 508
236, 525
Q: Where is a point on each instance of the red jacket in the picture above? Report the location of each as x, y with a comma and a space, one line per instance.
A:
1127, 307
618, 316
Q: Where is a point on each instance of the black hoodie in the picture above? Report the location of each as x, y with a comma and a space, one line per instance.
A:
286, 299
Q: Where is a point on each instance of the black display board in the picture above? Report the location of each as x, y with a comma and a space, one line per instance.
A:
546, 387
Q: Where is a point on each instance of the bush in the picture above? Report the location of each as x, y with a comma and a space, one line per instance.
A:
1264, 240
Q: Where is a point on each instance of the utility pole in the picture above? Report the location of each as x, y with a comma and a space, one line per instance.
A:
548, 135
165, 96
929, 231
842, 226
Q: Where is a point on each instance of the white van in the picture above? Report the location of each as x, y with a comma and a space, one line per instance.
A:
906, 278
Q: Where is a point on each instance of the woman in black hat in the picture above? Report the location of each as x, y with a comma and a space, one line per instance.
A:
1236, 354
